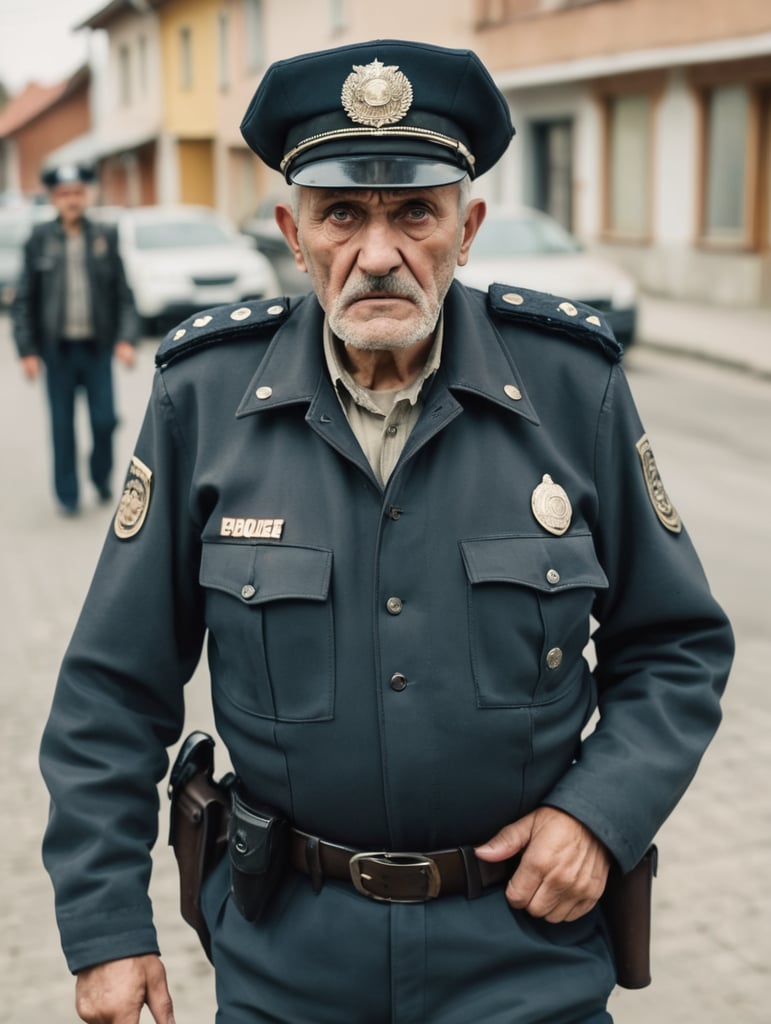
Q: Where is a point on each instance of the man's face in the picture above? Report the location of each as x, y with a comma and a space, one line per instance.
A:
380, 261
70, 201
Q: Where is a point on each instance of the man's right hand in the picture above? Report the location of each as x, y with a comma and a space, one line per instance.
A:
115, 992
30, 367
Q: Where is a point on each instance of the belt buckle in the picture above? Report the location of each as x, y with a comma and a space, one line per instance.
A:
396, 863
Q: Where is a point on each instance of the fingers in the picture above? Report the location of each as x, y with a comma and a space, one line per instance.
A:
509, 841
563, 868
115, 992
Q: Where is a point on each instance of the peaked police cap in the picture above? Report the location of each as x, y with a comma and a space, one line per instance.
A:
66, 174
386, 113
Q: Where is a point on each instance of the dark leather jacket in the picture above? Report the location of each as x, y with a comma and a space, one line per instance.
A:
38, 310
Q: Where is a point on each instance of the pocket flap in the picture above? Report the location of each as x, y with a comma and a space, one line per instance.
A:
256, 573
545, 563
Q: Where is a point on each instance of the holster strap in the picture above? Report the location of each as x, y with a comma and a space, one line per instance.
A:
396, 877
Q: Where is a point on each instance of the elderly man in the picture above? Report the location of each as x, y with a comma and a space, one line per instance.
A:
73, 311
394, 506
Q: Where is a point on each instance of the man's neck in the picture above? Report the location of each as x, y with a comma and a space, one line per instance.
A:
385, 369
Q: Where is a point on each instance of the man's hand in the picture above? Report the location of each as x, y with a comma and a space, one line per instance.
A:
125, 353
115, 992
563, 869
30, 367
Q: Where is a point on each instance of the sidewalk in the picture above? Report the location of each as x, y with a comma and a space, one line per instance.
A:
737, 338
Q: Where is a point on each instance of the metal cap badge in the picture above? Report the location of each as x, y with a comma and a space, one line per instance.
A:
551, 506
376, 94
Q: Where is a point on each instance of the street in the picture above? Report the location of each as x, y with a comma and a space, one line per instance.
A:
710, 431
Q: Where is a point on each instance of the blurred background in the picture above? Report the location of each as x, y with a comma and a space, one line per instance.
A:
639, 181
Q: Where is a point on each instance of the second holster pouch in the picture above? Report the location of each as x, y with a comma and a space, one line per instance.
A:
258, 844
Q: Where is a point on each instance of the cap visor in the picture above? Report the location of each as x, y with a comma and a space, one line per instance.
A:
378, 172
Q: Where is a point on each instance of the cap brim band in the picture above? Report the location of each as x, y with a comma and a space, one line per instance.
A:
374, 172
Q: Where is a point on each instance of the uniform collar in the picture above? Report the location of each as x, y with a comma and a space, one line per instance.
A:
474, 359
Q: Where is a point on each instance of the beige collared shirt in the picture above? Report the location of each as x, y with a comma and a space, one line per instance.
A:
381, 420
77, 304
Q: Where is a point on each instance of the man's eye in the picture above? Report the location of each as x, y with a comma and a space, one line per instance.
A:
417, 213
340, 215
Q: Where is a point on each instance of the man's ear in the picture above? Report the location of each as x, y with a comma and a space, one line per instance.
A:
475, 214
286, 222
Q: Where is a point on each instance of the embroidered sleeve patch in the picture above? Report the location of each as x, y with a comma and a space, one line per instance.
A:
662, 506
135, 500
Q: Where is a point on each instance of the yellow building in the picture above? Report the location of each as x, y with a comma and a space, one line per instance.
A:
189, 83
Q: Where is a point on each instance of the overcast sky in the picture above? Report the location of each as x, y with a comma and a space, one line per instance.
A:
36, 41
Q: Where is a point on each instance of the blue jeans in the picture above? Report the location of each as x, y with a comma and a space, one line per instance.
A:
69, 367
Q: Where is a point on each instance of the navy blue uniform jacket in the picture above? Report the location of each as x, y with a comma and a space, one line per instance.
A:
243, 429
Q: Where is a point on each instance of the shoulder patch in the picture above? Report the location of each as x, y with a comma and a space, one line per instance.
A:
221, 323
575, 320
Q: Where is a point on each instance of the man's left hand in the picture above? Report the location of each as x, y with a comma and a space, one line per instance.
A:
563, 869
125, 353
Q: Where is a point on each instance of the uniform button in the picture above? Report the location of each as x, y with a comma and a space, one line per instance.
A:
394, 605
264, 392
554, 658
394, 512
553, 576
512, 392
398, 682
248, 592
391, 431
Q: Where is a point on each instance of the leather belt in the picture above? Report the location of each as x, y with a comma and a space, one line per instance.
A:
397, 877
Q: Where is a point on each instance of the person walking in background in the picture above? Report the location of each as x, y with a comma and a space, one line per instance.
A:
73, 310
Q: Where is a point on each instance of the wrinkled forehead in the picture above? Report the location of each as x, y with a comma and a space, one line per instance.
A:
377, 197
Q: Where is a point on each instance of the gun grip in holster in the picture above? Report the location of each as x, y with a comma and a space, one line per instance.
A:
626, 904
200, 808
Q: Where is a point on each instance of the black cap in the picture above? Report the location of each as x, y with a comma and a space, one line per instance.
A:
66, 174
386, 113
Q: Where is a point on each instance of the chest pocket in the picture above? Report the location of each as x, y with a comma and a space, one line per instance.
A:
271, 630
529, 603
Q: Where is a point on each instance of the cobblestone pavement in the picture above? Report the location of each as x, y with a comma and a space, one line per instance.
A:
712, 944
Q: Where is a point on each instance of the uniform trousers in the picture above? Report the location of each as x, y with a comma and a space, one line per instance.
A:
70, 367
337, 957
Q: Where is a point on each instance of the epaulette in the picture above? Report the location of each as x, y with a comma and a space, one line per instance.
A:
221, 323
574, 320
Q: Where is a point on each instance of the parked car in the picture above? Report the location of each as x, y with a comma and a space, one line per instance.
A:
528, 248
262, 227
16, 223
180, 259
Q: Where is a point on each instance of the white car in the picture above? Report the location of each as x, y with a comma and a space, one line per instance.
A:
180, 259
528, 248
16, 223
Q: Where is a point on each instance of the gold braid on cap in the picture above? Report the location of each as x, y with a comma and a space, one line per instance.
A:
406, 132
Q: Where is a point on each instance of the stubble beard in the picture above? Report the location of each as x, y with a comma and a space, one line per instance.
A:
401, 333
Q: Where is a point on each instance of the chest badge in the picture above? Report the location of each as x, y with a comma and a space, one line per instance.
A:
662, 506
135, 500
551, 506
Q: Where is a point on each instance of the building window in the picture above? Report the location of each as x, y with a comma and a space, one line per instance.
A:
186, 57
142, 61
628, 121
337, 19
255, 34
124, 76
727, 133
223, 43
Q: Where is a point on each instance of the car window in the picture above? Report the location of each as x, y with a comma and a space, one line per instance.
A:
522, 236
179, 235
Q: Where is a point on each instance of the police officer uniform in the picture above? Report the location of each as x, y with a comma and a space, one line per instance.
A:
397, 664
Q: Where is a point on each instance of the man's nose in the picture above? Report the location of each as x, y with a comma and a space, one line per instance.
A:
379, 252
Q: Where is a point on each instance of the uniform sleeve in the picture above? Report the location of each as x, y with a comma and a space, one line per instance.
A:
118, 705
664, 648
